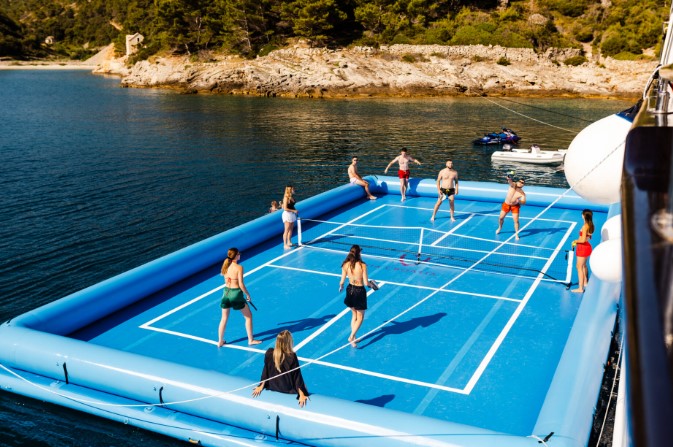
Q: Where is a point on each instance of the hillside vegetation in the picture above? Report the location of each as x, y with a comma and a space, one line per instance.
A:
617, 28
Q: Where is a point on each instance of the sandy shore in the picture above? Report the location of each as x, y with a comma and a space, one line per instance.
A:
40, 65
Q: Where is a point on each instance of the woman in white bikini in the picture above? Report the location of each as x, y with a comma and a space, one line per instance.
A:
289, 216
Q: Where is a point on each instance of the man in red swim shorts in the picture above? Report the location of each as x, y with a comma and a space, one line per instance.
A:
513, 201
403, 173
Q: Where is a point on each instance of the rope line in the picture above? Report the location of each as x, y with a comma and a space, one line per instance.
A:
529, 117
612, 388
546, 110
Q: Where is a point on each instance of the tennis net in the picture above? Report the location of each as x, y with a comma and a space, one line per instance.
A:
421, 245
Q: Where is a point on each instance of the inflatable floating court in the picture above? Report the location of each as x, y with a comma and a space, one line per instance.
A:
471, 339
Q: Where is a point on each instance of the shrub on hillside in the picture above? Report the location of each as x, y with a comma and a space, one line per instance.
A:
503, 61
584, 33
574, 61
569, 8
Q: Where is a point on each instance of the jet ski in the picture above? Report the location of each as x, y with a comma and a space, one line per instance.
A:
506, 136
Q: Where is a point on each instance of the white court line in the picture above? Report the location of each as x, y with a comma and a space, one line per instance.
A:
269, 264
435, 264
210, 292
383, 376
452, 230
496, 345
329, 323
413, 286
482, 214
308, 361
501, 337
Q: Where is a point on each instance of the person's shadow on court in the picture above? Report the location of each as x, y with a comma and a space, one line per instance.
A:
294, 326
380, 401
536, 231
395, 328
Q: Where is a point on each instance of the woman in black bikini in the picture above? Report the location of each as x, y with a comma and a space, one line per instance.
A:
355, 269
235, 295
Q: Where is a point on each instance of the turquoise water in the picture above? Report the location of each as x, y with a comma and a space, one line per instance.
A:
96, 179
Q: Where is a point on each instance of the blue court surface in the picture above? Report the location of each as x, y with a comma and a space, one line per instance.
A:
477, 333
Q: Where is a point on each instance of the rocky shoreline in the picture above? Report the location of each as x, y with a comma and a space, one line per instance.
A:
398, 70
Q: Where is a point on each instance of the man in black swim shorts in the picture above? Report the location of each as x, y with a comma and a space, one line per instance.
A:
448, 192
447, 187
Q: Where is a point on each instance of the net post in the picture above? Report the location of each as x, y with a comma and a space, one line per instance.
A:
420, 246
299, 232
569, 268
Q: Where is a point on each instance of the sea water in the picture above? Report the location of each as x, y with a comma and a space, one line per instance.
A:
96, 179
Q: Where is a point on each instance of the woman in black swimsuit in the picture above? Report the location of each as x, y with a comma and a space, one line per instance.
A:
281, 371
355, 269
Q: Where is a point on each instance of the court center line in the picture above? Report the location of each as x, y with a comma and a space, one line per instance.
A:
452, 230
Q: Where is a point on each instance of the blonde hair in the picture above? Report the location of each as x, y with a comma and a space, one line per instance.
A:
231, 256
288, 191
284, 346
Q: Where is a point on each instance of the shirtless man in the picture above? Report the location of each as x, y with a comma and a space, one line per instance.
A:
513, 201
447, 187
403, 173
355, 178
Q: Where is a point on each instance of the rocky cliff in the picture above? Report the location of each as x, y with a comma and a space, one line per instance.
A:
398, 70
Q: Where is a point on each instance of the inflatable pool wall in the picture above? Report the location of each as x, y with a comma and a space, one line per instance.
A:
38, 360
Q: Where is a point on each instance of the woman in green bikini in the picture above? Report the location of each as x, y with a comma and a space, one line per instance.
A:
235, 296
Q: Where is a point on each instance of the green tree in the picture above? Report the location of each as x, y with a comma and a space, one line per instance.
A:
313, 19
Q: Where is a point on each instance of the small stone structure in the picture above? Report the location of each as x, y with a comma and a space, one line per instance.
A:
132, 42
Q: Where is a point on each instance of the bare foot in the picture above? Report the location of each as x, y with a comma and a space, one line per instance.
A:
373, 197
403, 198
221, 343
497, 231
254, 342
287, 247
351, 339
453, 220
517, 237
432, 219
578, 290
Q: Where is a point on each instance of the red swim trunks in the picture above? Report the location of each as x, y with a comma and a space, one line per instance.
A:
403, 174
513, 208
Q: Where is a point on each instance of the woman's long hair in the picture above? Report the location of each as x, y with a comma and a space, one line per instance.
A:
588, 216
231, 255
353, 256
288, 192
284, 346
